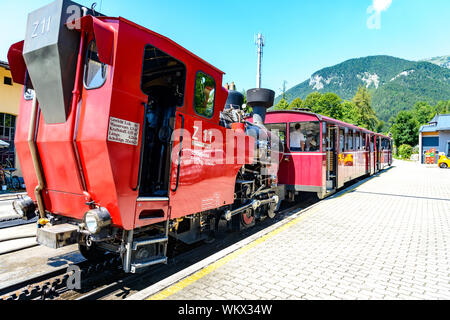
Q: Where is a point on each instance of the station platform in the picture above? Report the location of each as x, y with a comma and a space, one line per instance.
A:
387, 237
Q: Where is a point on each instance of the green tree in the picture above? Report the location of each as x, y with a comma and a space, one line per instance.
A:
366, 115
330, 105
282, 105
443, 107
405, 129
312, 101
405, 151
297, 103
381, 126
423, 112
349, 112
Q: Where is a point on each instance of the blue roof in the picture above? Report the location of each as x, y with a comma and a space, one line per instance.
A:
440, 122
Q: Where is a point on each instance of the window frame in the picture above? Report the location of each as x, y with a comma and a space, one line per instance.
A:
318, 133
25, 87
215, 92
7, 81
350, 141
185, 75
341, 134
358, 141
8, 153
85, 65
286, 149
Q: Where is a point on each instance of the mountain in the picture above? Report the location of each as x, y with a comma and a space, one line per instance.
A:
396, 84
443, 61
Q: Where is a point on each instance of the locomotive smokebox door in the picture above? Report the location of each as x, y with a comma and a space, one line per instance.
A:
50, 53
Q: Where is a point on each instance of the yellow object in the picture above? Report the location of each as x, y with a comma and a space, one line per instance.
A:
444, 162
348, 160
43, 222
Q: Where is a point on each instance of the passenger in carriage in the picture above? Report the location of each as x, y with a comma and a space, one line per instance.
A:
297, 139
311, 141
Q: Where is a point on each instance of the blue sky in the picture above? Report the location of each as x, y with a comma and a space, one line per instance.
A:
302, 36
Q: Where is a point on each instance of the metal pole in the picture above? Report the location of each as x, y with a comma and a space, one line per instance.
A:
259, 45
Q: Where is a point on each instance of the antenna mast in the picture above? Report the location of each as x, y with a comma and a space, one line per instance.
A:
260, 42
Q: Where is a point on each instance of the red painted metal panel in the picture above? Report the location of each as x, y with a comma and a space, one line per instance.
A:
17, 63
205, 180
65, 204
307, 169
104, 35
151, 210
23, 149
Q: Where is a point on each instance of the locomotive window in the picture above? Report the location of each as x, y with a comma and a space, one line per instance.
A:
28, 92
281, 130
304, 136
94, 71
163, 78
205, 92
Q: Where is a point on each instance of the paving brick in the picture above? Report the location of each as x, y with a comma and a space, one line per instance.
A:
388, 239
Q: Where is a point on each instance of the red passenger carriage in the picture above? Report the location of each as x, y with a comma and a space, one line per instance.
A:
332, 152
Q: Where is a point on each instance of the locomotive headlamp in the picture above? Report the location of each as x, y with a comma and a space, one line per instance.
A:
96, 219
25, 208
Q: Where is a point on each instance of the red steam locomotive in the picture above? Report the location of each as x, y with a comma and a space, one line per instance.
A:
125, 144
121, 140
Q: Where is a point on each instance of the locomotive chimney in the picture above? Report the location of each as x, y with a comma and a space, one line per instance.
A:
260, 100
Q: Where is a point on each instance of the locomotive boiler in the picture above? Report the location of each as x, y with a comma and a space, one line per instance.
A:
124, 141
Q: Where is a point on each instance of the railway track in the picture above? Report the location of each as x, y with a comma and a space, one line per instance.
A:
106, 280
15, 222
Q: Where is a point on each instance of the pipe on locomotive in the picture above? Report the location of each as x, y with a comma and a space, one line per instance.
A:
35, 159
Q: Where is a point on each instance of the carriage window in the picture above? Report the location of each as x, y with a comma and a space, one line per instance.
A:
350, 141
363, 141
205, 91
304, 136
95, 71
358, 141
281, 130
341, 141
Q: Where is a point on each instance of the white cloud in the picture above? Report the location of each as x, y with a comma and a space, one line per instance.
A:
381, 5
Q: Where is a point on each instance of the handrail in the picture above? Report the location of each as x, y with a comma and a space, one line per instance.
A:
179, 154
141, 157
